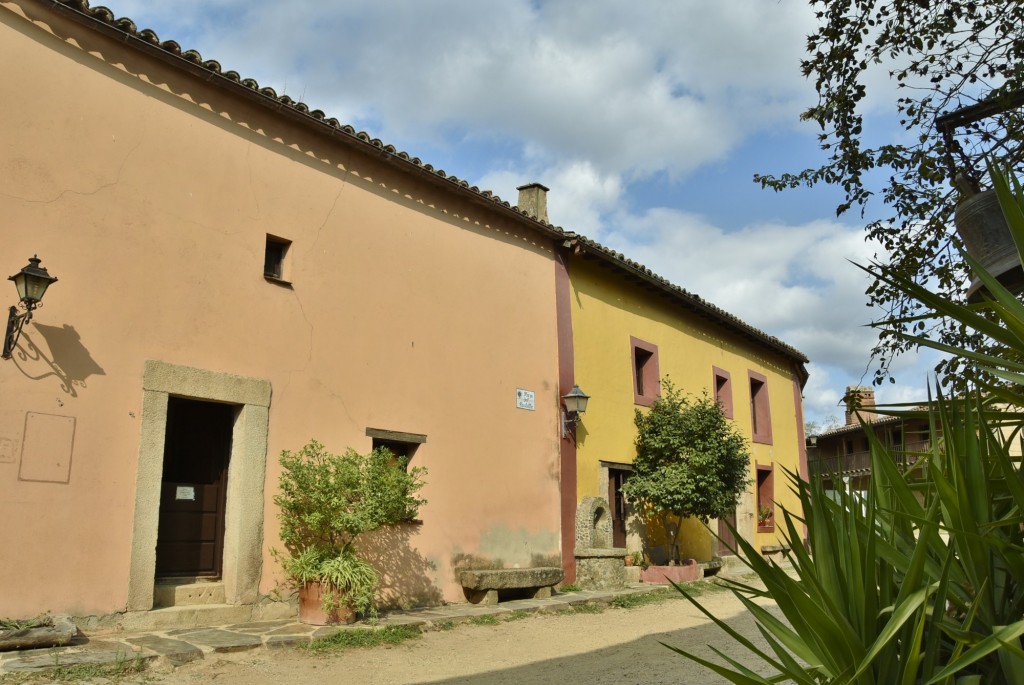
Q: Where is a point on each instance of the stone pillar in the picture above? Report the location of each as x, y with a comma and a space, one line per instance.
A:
599, 566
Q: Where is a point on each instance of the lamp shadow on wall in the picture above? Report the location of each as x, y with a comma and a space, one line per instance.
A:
406, 575
71, 363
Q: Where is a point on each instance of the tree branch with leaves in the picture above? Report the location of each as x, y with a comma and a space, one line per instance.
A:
943, 56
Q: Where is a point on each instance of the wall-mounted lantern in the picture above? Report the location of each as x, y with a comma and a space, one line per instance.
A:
575, 404
31, 282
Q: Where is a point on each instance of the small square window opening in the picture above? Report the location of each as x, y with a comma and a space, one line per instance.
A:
275, 258
402, 451
402, 445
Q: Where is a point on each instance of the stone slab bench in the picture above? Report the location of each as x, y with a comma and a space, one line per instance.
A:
482, 587
768, 550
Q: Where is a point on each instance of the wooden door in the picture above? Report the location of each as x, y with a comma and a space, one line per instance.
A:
727, 541
190, 537
617, 502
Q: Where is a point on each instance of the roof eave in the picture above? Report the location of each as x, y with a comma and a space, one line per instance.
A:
580, 245
290, 110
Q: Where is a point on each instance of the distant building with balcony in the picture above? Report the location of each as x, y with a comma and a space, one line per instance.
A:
845, 452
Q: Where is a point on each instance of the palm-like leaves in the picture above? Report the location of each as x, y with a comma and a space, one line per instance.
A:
920, 579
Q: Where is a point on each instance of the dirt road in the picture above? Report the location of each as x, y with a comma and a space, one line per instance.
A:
616, 646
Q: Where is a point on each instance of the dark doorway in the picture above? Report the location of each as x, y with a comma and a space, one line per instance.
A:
197, 445
727, 541
616, 477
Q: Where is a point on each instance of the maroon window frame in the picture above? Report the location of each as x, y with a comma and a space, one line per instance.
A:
760, 410
766, 497
643, 358
723, 390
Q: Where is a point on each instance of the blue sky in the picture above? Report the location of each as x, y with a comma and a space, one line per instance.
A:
647, 120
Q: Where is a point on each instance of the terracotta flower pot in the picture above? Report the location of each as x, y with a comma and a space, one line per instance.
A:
311, 609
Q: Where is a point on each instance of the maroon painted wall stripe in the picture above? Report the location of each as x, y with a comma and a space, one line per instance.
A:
566, 378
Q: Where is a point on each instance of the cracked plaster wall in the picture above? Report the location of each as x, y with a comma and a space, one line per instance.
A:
150, 194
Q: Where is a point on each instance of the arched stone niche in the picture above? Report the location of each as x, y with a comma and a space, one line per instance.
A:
599, 566
593, 524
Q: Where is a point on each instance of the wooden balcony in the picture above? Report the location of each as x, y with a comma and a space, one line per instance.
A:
859, 463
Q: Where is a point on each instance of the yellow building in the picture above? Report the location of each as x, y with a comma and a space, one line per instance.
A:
630, 329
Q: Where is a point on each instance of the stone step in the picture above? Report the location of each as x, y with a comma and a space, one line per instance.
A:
170, 618
188, 594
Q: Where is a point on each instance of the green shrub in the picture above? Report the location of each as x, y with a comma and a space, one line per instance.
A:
326, 501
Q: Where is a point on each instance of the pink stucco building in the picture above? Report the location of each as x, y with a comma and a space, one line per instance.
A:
239, 274
237, 267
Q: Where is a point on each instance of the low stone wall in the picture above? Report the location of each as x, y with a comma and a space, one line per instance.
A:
688, 571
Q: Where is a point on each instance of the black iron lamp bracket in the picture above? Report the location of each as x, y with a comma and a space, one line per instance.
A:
15, 322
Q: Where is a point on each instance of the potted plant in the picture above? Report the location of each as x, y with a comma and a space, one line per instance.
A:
326, 501
765, 516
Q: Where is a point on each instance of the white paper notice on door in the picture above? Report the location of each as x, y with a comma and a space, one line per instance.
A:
185, 492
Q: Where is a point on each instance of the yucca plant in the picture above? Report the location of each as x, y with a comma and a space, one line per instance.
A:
919, 579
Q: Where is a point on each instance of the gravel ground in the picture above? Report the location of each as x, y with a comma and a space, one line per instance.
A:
614, 646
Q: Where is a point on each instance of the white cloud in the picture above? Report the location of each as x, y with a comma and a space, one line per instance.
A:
628, 89
587, 98
791, 280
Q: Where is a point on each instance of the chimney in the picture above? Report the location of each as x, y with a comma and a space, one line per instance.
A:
533, 199
859, 401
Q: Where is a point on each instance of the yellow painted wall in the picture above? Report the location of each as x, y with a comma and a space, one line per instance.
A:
607, 311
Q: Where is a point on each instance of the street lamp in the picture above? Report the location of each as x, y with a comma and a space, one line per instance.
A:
575, 404
31, 282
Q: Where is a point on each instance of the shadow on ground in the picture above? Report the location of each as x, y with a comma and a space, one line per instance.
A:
643, 660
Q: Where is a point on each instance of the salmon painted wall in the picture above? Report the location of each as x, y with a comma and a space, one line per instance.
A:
607, 313
150, 194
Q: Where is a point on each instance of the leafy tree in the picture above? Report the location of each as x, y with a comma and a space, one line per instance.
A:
690, 461
815, 427
942, 55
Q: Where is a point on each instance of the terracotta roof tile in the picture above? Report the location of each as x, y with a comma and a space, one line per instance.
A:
686, 298
173, 48
81, 11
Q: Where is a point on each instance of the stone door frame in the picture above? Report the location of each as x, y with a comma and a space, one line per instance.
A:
243, 534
